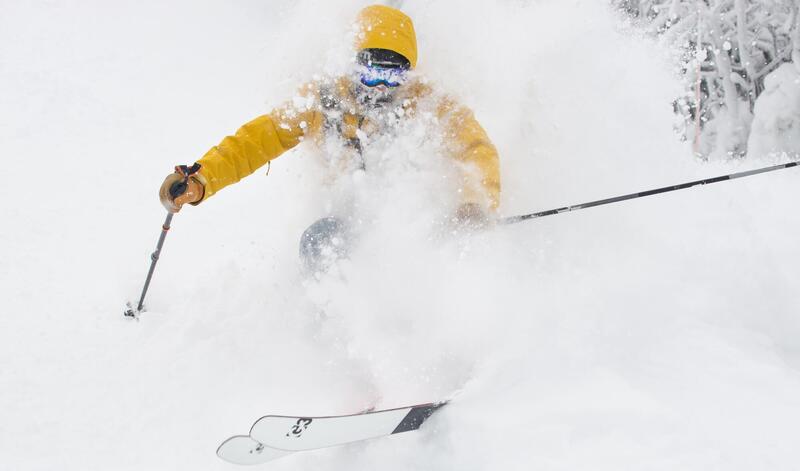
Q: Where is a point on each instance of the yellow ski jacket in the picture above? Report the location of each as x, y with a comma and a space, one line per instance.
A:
268, 136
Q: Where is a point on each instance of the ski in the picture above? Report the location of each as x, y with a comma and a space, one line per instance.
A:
295, 433
275, 436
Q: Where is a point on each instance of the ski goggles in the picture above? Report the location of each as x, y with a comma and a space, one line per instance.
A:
372, 76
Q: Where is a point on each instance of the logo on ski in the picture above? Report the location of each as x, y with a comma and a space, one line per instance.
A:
298, 428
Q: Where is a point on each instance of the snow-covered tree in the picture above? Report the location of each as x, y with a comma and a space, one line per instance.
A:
727, 49
776, 121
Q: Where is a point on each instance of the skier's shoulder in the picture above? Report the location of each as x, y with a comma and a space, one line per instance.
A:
429, 95
420, 87
421, 94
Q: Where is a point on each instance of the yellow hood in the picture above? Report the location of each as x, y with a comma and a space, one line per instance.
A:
382, 27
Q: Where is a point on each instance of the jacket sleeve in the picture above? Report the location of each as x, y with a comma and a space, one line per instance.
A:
255, 144
469, 143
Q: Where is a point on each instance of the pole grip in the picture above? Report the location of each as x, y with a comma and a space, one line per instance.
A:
179, 188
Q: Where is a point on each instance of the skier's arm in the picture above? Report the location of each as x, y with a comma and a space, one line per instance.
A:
253, 145
237, 156
470, 144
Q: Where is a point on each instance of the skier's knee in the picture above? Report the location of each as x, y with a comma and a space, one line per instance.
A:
323, 243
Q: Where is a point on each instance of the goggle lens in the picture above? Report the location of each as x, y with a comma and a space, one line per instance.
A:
372, 76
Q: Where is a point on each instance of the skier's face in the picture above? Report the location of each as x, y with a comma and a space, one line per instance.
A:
376, 96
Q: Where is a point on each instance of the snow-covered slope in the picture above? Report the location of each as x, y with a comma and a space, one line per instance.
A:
656, 334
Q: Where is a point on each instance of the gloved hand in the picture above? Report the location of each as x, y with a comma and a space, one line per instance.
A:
471, 216
181, 187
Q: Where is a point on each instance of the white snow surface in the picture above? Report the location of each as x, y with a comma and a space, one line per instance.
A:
660, 333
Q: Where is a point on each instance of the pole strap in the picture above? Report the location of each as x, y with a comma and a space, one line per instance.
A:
188, 171
641, 194
179, 188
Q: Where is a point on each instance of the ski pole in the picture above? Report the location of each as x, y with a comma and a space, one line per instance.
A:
130, 312
666, 189
177, 189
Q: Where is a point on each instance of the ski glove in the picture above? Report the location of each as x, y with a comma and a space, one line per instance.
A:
181, 187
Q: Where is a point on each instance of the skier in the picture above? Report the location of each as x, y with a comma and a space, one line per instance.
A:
346, 108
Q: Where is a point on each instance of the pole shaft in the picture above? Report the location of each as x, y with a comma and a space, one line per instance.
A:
666, 189
154, 259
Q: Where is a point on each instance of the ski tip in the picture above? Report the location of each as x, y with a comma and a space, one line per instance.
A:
243, 450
